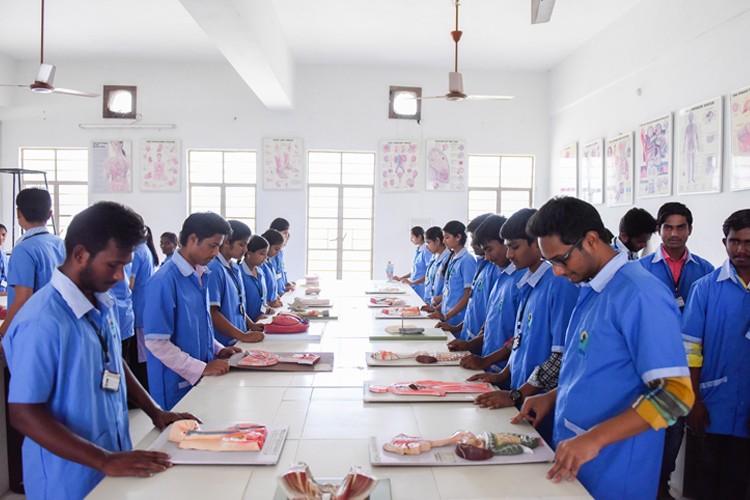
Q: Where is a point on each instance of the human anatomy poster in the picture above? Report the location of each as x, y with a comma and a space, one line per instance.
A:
591, 178
619, 164
160, 165
699, 147
399, 165
111, 166
655, 157
446, 164
283, 163
568, 170
740, 130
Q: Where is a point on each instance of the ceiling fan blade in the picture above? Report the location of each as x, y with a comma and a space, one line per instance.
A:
79, 93
489, 97
14, 85
430, 97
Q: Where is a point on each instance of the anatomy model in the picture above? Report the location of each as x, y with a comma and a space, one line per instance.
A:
405, 312
470, 446
298, 484
432, 388
241, 437
419, 356
387, 301
257, 358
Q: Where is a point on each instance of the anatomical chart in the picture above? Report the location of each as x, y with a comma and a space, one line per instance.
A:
619, 162
283, 163
740, 130
567, 170
699, 147
591, 173
160, 165
655, 157
111, 166
399, 165
446, 164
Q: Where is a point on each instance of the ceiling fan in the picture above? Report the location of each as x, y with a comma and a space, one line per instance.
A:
46, 75
455, 80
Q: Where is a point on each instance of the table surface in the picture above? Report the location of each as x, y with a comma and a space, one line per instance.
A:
329, 424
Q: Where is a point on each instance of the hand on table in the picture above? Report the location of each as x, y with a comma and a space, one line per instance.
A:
494, 400
571, 454
535, 408
228, 352
444, 325
252, 336
427, 308
164, 418
138, 463
289, 287
490, 378
436, 315
472, 362
458, 345
216, 367
255, 327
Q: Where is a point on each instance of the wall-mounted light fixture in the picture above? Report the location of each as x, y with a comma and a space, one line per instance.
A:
405, 103
119, 101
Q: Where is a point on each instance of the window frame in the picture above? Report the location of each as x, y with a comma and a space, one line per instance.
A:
499, 190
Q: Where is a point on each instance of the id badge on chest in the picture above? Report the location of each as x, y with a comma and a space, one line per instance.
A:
111, 381
680, 302
264, 308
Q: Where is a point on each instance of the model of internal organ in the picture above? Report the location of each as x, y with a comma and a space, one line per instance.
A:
312, 280
421, 356
470, 446
387, 289
313, 313
405, 312
387, 301
431, 388
298, 484
312, 291
265, 358
300, 303
241, 437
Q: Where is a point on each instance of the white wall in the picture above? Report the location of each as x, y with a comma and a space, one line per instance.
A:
335, 108
679, 52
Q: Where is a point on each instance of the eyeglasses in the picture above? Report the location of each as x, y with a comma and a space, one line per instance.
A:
561, 261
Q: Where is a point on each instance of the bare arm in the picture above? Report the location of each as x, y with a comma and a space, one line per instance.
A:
223, 325
460, 306
23, 294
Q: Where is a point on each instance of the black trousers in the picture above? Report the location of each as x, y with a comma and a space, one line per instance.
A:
15, 442
723, 467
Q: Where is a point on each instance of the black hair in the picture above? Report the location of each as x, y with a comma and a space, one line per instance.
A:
636, 222
434, 233
274, 237
257, 243
738, 221
240, 231
34, 204
489, 230
279, 224
96, 225
151, 247
515, 227
204, 225
418, 231
472, 226
2, 226
568, 218
170, 236
673, 208
456, 228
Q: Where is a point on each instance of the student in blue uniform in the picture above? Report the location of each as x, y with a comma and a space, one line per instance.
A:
124, 305
458, 274
177, 321
142, 268
226, 294
275, 243
253, 280
433, 291
545, 302
70, 388
716, 324
416, 277
675, 266
3, 261
282, 280
168, 245
624, 375
636, 228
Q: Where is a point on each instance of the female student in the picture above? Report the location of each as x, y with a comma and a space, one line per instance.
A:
458, 274
416, 277
282, 281
275, 244
253, 279
433, 290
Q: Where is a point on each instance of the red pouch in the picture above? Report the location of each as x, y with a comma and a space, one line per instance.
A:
287, 323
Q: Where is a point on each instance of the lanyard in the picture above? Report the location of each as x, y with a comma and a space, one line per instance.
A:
479, 271
236, 282
256, 282
25, 238
102, 339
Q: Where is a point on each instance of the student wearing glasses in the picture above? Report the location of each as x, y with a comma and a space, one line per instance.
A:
624, 374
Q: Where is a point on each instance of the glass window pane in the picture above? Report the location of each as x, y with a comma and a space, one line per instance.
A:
358, 169
240, 167
239, 202
205, 199
482, 202
324, 168
517, 171
484, 171
513, 201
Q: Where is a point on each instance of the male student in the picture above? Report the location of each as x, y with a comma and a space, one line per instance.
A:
226, 293
168, 245
716, 325
544, 305
177, 321
70, 388
624, 373
675, 266
277, 263
636, 228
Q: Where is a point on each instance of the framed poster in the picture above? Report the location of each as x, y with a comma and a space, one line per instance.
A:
398, 165
567, 170
446, 164
160, 165
619, 166
699, 147
591, 174
655, 157
283, 164
111, 166
740, 130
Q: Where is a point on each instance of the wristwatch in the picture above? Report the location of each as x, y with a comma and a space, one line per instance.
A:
516, 397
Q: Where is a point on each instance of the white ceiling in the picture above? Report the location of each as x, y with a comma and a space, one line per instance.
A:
497, 33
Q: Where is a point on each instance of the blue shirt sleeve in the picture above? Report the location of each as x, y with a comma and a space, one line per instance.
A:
468, 270
216, 283
22, 270
694, 315
159, 310
32, 348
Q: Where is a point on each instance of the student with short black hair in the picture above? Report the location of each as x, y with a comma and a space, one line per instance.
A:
168, 244
636, 228
70, 388
277, 262
275, 245
433, 284
177, 320
416, 277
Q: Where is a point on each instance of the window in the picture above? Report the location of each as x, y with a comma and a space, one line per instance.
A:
405, 103
67, 175
340, 208
223, 182
500, 184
